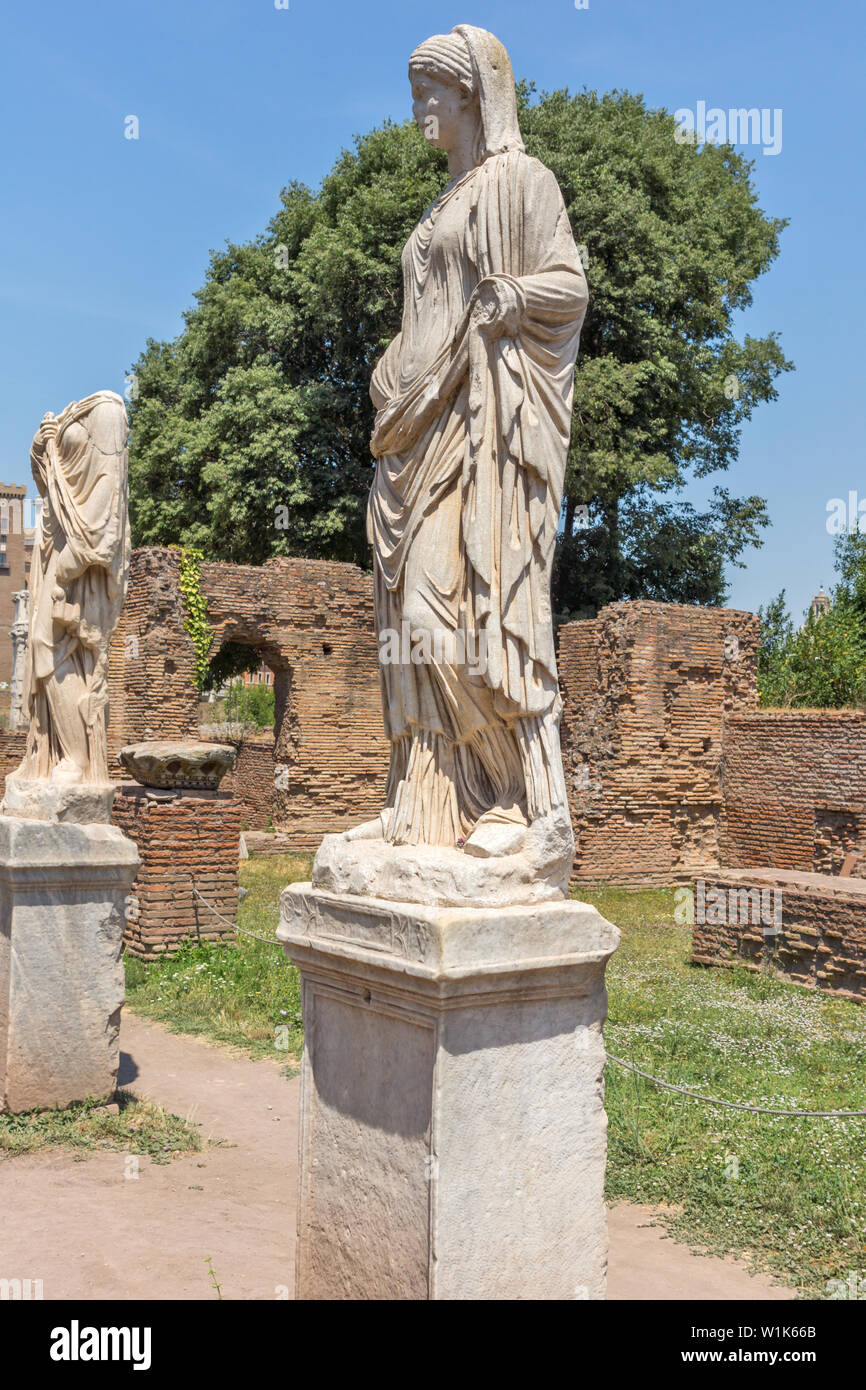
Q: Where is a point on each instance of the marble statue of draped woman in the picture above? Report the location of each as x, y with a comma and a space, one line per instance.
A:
474, 400
77, 579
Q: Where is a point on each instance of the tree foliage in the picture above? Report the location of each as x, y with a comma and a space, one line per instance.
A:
821, 665
250, 704
250, 432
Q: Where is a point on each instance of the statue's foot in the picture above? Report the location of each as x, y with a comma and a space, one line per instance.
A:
500, 831
371, 829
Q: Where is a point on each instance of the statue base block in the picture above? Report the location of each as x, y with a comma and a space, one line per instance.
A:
63, 891
438, 876
72, 803
453, 1135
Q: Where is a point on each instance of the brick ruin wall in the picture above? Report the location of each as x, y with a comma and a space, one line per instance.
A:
794, 787
252, 781
12, 744
646, 690
311, 621
151, 665
817, 926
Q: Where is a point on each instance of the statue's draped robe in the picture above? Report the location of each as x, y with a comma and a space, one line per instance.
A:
471, 439
81, 548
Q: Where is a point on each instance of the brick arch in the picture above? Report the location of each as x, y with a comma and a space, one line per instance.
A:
312, 621
274, 657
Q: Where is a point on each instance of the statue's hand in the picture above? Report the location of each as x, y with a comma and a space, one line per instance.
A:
48, 427
68, 615
497, 309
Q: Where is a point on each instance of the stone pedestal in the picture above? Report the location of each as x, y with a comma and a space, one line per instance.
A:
63, 889
453, 1135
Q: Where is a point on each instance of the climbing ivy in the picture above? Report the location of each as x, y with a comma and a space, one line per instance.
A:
195, 610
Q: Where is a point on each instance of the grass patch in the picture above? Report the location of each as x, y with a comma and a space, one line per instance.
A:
786, 1195
140, 1127
246, 994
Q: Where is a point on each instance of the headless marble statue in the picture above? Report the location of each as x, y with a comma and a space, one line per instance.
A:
78, 577
473, 401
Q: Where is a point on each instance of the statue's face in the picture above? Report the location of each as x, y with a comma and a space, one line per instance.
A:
442, 110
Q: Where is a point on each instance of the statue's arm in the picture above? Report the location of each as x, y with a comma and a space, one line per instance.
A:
47, 431
554, 283
384, 374
551, 291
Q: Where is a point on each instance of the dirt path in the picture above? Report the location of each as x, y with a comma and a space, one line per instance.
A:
88, 1231
645, 1263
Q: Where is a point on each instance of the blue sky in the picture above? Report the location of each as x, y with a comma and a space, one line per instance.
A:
105, 239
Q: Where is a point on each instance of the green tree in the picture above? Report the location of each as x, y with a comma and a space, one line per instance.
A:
850, 564
821, 665
250, 704
777, 631
250, 432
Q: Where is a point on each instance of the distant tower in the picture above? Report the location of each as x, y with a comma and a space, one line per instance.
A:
16, 546
820, 603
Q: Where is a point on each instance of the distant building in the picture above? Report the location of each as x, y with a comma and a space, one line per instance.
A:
820, 603
16, 548
262, 676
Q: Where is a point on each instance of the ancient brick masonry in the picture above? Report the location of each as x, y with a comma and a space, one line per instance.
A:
151, 668
821, 936
646, 690
312, 622
794, 787
186, 840
253, 779
794, 790
12, 745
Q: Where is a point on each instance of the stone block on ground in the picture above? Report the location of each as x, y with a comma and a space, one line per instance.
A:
805, 927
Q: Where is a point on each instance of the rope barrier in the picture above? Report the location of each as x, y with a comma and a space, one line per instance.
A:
739, 1105
268, 941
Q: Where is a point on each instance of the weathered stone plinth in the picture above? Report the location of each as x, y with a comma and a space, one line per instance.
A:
453, 1136
63, 890
69, 803
436, 874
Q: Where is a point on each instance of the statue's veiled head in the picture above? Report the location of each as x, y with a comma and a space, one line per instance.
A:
462, 77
